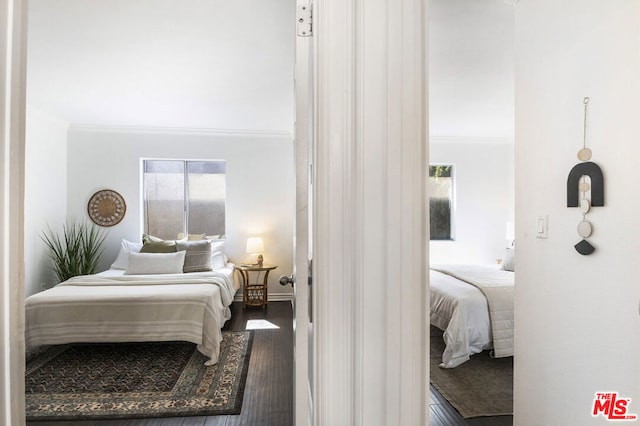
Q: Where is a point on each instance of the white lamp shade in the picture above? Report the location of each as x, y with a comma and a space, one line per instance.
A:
255, 245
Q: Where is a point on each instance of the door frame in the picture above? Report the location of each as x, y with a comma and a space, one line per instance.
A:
13, 53
370, 236
303, 141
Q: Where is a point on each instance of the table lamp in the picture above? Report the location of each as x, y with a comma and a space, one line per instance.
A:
255, 246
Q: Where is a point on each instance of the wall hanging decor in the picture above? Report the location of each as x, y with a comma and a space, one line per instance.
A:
585, 189
106, 208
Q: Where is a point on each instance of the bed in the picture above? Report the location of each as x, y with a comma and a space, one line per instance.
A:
473, 306
118, 306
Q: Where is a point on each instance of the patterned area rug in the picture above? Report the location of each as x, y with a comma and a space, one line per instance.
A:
482, 386
133, 380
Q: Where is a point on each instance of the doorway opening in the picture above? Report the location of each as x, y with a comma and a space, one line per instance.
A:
111, 83
471, 123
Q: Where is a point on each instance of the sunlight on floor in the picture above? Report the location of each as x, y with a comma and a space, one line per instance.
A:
260, 324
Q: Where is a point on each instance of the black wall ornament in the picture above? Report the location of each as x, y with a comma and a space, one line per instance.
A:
597, 184
579, 189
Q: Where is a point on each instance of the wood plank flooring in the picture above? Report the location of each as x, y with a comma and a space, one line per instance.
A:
268, 394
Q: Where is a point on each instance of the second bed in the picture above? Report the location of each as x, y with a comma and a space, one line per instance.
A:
473, 305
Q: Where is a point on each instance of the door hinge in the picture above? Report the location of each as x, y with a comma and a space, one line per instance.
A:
305, 20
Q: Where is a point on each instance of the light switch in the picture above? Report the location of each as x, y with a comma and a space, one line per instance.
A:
542, 227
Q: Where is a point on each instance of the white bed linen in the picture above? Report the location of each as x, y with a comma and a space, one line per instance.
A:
461, 311
497, 286
113, 307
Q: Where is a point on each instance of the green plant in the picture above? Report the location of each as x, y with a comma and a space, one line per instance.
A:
76, 251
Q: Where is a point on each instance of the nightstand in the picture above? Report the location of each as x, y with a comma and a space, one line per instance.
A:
254, 293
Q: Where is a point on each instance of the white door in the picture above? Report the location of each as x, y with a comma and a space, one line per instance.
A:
303, 328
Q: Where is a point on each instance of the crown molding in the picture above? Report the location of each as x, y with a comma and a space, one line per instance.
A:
179, 131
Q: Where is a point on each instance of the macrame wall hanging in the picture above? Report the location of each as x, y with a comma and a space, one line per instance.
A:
585, 189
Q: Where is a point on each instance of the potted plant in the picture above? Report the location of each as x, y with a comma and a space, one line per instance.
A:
76, 251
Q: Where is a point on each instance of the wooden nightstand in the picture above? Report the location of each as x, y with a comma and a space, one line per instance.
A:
254, 293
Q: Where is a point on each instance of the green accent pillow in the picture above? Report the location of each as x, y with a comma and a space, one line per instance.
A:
146, 238
159, 247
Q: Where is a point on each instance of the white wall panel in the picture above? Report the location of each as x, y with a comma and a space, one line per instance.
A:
577, 322
370, 252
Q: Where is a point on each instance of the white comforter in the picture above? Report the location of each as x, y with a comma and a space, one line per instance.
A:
112, 307
461, 311
497, 287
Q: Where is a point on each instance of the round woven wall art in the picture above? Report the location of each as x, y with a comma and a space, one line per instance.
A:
106, 208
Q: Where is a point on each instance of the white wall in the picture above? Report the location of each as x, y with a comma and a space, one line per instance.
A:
260, 184
483, 185
471, 68
45, 193
577, 323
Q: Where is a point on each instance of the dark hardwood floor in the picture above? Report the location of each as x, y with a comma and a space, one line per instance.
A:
268, 394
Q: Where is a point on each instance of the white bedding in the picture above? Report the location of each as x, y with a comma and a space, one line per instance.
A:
458, 308
113, 307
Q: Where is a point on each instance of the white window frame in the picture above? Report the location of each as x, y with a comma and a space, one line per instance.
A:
143, 207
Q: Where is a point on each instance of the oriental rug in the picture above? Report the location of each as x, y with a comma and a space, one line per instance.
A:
135, 380
482, 386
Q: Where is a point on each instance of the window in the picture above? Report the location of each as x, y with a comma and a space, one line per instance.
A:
441, 201
184, 197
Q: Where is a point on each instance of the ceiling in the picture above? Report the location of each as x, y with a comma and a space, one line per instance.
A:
198, 64
220, 64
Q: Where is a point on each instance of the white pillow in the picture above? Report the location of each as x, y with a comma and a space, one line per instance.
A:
508, 260
126, 247
155, 263
218, 257
217, 245
218, 260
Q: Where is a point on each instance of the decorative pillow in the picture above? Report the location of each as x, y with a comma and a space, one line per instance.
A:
217, 245
218, 256
508, 260
159, 247
198, 255
218, 260
191, 237
126, 247
155, 263
146, 238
